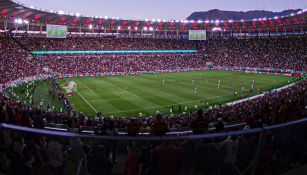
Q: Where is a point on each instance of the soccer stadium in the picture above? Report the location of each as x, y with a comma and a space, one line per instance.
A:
98, 95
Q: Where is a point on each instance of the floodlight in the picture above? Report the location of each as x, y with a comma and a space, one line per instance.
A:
216, 29
61, 12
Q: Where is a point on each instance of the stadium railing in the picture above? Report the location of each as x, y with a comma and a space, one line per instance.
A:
267, 150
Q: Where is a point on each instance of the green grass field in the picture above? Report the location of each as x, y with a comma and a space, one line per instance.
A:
146, 94
41, 92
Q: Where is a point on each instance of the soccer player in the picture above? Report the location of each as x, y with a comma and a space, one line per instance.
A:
219, 84
163, 81
195, 89
242, 89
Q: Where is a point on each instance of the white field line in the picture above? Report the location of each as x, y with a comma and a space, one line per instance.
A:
86, 101
84, 98
165, 105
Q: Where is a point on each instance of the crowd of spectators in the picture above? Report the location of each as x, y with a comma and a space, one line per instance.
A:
278, 53
121, 63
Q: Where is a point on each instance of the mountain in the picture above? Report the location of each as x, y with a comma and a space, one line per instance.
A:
227, 15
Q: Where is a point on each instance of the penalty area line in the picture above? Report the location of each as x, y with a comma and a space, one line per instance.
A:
86, 101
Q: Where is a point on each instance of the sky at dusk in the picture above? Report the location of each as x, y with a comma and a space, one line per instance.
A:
162, 9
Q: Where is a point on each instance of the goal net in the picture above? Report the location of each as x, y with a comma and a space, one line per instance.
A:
72, 87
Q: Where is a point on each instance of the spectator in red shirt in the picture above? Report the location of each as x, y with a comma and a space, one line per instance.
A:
167, 158
159, 128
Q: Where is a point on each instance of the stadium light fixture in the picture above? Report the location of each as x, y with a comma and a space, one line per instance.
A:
164, 20
18, 21
129, 28
217, 21
151, 28
90, 26
118, 28
207, 21
153, 20
135, 28
61, 12
159, 20
242, 20
230, 21
145, 28
146, 20
215, 29
77, 14
105, 17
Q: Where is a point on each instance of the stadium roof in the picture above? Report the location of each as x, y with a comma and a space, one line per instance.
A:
14, 10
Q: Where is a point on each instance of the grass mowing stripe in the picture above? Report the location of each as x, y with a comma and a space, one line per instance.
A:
168, 105
143, 95
162, 90
148, 95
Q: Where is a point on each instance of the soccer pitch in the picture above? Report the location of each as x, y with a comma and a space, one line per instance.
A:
131, 95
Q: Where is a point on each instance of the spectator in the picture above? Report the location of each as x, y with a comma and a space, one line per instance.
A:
200, 124
99, 163
159, 128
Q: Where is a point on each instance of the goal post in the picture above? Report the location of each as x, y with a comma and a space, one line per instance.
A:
72, 87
